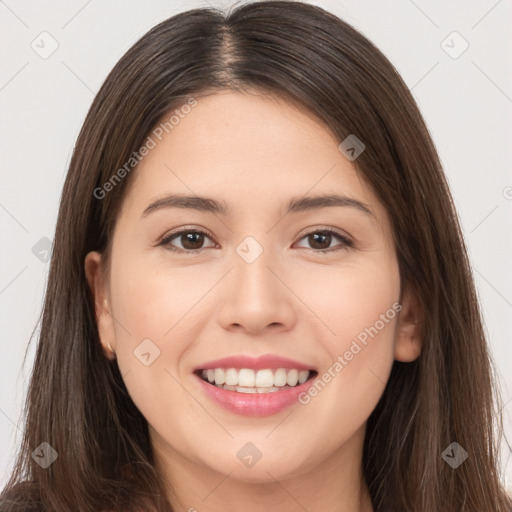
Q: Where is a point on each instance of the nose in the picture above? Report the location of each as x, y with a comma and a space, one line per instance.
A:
256, 297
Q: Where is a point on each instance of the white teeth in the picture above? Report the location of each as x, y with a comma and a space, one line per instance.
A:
280, 377
303, 376
231, 377
220, 376
292, 377
246, 380
241, 389
268, 390
264, 379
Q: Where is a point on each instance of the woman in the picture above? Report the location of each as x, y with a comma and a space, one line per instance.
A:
259, 294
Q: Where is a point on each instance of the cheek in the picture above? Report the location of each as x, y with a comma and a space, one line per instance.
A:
352, 298
360, 307
157, 302
156, 320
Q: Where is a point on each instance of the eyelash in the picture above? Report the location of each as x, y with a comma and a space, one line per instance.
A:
166, 240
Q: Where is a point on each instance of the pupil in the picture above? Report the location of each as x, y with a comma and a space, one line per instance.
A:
191, 239
320, 238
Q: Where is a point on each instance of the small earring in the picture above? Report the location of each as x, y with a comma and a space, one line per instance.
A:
110, 348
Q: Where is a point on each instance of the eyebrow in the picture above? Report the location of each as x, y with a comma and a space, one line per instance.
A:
298, 204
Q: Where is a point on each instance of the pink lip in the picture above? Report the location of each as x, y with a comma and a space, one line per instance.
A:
256, 363
254, 404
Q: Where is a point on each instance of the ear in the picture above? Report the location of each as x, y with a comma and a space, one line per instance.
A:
95, 278
409, 331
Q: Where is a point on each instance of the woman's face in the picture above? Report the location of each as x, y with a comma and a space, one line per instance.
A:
316, 283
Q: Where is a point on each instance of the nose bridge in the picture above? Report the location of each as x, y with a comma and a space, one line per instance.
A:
253, 278
252, 267
254, 297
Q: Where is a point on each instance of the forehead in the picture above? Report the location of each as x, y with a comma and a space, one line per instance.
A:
251, 151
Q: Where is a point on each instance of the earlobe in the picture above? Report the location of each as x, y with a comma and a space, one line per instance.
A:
409, 332
98, 289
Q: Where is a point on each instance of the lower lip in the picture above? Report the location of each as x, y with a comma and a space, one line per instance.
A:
255, 404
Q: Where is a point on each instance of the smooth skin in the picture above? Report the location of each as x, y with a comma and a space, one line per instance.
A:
253, 153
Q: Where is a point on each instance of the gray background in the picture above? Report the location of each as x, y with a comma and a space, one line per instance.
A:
466, 101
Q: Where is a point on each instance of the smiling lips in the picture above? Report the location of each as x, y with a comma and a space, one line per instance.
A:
255, 375
254, 386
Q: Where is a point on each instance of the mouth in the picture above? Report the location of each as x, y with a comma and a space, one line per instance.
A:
261, 381
254, 386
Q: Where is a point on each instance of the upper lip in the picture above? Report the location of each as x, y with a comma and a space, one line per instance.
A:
270, 361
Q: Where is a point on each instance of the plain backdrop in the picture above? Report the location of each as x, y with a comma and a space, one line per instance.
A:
455, 56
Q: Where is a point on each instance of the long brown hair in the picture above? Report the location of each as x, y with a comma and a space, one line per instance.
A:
77, 401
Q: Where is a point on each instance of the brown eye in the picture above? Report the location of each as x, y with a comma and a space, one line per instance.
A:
188, 240
192, 241
320, 240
